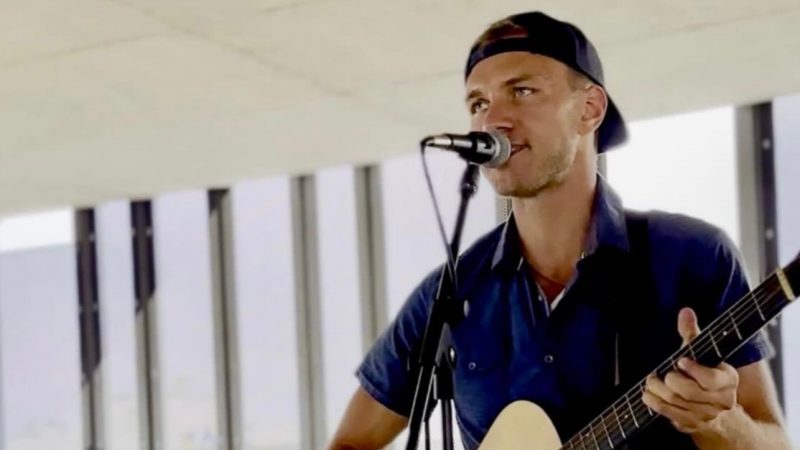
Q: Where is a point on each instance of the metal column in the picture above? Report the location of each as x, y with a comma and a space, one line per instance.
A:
89, 312
146, 329
309, 332
224, 316
371, 254
757, 206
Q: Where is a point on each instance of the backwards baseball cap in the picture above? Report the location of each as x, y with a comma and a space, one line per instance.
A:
561, 41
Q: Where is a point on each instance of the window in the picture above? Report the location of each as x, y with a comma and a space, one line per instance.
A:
684, 164
413, 243
117, 326
339, 289
185, 328
785, 111
265, 301
39, 336
46, 229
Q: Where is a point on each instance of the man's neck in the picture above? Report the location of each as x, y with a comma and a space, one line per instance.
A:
553, 225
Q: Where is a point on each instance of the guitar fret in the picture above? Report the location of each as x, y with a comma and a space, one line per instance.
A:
594, 438
735, 327
608, 435
691, 351
619, 422
758, 308
643, 417
580, 439
649, 411
630, 408
714, 343
721, 337
576, 442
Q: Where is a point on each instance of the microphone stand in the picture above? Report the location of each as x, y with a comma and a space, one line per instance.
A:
434, 361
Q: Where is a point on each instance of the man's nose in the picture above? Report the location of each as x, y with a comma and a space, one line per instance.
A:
498, 116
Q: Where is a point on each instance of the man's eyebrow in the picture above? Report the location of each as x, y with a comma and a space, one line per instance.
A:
472, 94
511, 81
523, 77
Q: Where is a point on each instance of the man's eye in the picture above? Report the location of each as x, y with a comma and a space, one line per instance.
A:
477, 106
523, 91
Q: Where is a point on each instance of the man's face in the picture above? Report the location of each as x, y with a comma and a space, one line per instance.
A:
528, 97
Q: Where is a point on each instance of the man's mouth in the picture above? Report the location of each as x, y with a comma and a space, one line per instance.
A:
515, 148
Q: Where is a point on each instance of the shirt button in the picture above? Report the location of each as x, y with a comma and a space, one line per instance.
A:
472, 365
548, 359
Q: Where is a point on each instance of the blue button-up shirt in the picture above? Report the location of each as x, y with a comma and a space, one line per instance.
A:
616, 321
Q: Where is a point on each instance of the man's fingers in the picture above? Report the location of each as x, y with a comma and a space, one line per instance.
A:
710, 402
717, 378
666, 394
682, 419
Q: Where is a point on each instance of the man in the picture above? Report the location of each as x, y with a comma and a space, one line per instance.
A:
572, 296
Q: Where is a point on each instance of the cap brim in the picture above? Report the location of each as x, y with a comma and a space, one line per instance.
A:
613, 131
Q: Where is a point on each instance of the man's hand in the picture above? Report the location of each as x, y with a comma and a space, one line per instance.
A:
696, 396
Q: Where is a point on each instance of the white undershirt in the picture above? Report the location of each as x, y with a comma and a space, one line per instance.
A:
557, 300
550, 305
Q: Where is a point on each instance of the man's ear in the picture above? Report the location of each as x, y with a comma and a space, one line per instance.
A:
594, 108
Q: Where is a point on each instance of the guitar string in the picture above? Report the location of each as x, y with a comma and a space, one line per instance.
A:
741, 310
604, 419
639, 407
738, 309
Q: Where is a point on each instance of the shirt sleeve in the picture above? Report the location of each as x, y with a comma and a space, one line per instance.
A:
731, 281
385, 373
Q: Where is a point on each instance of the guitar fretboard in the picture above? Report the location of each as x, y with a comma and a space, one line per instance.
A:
721, 338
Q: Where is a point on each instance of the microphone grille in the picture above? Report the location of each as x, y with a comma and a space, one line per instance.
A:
503, 149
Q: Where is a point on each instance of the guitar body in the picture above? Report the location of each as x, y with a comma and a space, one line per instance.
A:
521, 425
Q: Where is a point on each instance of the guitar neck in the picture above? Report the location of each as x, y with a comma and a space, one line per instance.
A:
720, 339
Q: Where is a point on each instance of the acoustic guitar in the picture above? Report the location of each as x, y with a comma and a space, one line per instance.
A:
524, 425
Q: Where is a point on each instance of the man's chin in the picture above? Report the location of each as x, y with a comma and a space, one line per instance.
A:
524, 191
520, 191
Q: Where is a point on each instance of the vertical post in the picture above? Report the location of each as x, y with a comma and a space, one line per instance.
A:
757, 206
224, 316
146, 324
309, 332
89, 317
371, 253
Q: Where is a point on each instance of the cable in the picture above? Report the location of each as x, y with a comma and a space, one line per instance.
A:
450, 265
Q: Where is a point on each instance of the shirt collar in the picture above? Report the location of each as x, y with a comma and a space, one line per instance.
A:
607, 229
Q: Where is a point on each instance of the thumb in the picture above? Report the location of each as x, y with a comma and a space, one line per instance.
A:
687, 325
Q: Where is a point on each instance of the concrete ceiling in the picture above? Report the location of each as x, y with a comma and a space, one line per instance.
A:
105, 99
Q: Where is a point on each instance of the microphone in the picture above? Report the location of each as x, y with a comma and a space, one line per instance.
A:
490, 149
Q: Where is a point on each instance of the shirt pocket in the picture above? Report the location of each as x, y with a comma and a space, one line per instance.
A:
479, 351
480, 359
481, 386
